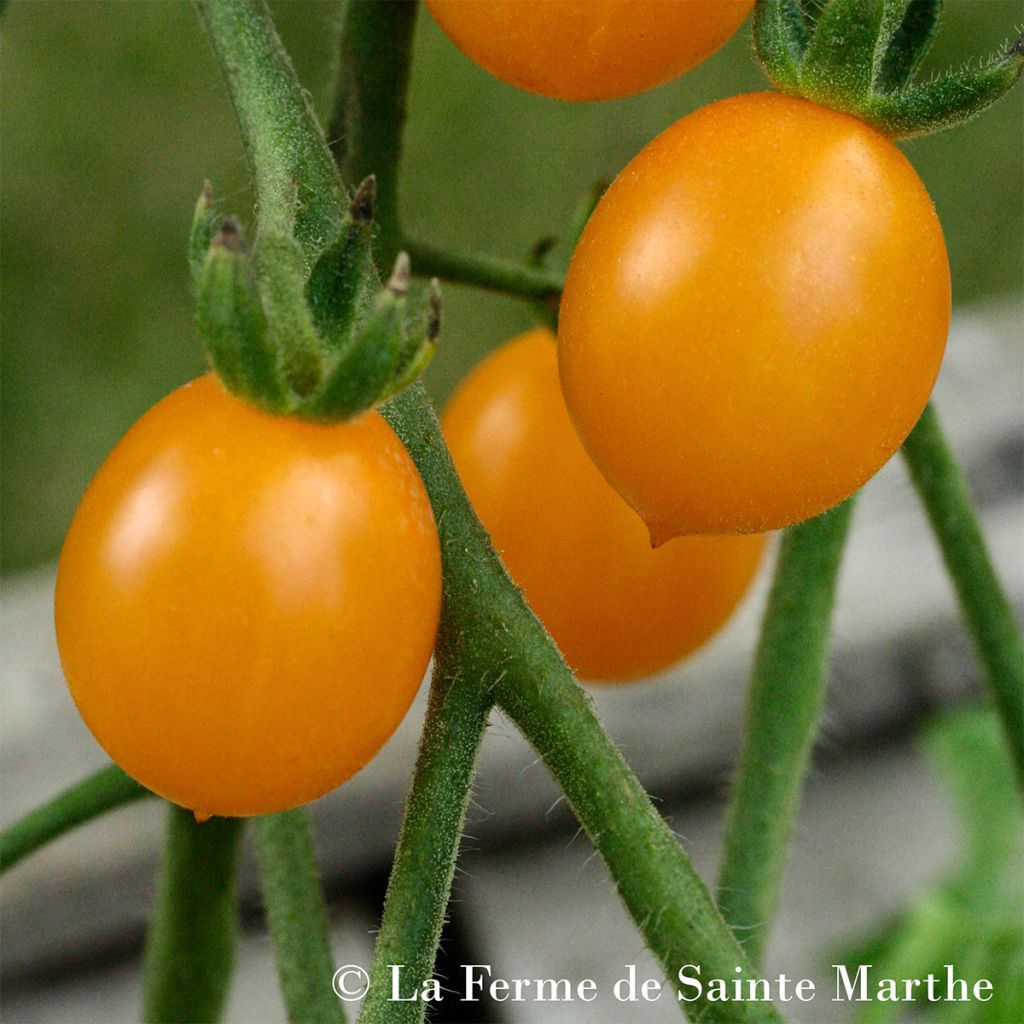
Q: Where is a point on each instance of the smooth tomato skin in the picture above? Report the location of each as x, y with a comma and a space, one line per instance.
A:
616, 608
588, 49
246, 604
754, 317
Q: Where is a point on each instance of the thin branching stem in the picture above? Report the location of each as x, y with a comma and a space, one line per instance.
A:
491, 637
484, 271
99, 793
787, 689
424, 865
373, 77
986, 609
497, 640
297, 184
191, 946
296, 916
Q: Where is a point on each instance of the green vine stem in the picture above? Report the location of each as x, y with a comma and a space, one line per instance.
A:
99, 793
373, 77
491, 635
424, 865
298, 186
297, 182
990, 619
297, 917
500, 640
787, 689
484, 271
191, 945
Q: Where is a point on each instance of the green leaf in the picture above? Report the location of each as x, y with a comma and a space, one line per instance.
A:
970, 753
232, 326
907, 30
972, 919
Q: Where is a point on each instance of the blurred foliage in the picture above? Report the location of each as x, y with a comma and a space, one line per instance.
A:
973, 919
114, 114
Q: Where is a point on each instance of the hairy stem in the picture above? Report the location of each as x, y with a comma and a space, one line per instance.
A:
297, 917
373, 77
484, 271
787, 688
491, 636
191, 947
297, 184
500, 640
424, 865
102, 792
984, 604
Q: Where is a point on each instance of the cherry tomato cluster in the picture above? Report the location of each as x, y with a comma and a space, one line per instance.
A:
751, 324
617, 607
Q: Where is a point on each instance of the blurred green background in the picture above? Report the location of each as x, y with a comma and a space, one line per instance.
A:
114, 113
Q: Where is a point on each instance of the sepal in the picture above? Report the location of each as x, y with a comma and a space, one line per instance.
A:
281, 281
859, 56
385, 354
947, 101
420, 344
782, 30
232, 325
907, 30
204, 227
343, 281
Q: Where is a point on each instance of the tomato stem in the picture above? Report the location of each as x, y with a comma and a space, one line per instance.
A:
191, 946
321, 347
489, 635
787, 688
88, 799
369, 107
481, 270
986, 609
297, 182
296, 917
424, 865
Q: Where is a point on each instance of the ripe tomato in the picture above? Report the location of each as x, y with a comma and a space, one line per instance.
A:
588, 49
616, 608
246, 604
754, 317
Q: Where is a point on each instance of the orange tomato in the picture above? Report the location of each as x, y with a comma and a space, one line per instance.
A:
246, 604
754, 317
616, 608
588, 49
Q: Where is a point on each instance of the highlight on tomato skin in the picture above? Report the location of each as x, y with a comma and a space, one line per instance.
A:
754, 317
617, 608
588, 49
246, 604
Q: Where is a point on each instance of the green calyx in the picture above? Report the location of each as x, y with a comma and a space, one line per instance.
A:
323, 343
859, 56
